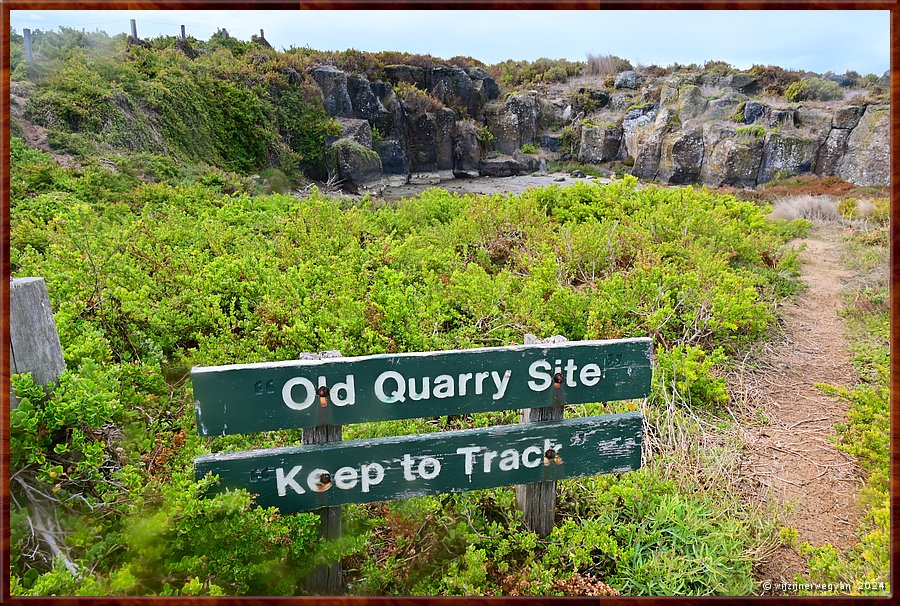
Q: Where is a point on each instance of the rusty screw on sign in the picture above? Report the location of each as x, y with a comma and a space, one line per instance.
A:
324, 482
551, 455
557, 380
323, 392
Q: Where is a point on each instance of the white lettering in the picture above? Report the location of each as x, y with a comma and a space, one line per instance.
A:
501, 384
570, 373
371, 480
464, 378
469, 451
545, 376
407, 468
288, 397
509, 460
422, 395
479, 382
489, 456
531, 449
443, 386
283, 481
590, 374
429, 462
346, 477
349, 391
399, 393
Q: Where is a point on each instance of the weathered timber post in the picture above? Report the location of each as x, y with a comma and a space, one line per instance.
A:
183, 36
538, 501
27, 34
325, 579
33, 341
134, 30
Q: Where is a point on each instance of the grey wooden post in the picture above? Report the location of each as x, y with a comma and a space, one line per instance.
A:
538, 501
27, 34
183, 37
33, 341
134, 29
326, 579
262, 34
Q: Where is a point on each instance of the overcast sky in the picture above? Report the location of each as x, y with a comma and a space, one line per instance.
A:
806, 39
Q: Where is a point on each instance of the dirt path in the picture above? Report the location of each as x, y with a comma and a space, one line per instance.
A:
789, 456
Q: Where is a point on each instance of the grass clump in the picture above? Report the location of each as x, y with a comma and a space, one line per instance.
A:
417, 100
751, 132
606, 65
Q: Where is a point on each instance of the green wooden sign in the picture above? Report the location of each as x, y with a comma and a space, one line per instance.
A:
362, 471
246, 398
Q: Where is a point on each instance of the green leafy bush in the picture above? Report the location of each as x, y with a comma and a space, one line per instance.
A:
813, 89
513, 74
149, 279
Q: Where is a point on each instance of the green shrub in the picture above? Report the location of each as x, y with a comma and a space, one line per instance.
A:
529, 148
513, 74
416, 99
813, 89
149, 279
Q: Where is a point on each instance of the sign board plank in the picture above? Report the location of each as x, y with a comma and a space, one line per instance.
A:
304, 478
246, 398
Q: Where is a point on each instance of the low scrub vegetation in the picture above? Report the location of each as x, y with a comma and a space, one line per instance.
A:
148, 279
813, 89
514, 74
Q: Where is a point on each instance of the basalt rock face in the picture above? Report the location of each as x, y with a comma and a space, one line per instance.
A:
681, 157
513, 123
867, 160
730, 159
357, 165
412, 139
600, 143
466, 149
677, 129
333, 83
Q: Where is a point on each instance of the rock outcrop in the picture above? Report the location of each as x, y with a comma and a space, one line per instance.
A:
513, 122
867, 160
786, 156
600, 143
683, 128
357, 165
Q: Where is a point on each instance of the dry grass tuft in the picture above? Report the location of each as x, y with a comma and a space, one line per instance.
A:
605, 65
805, 206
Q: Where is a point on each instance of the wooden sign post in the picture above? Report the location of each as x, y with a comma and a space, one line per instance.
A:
538, 501
327, 392
33, 341
327, 578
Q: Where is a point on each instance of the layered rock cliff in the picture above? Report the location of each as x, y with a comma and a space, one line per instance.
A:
678, 129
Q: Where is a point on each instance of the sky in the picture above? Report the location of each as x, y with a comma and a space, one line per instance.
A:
805, 40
